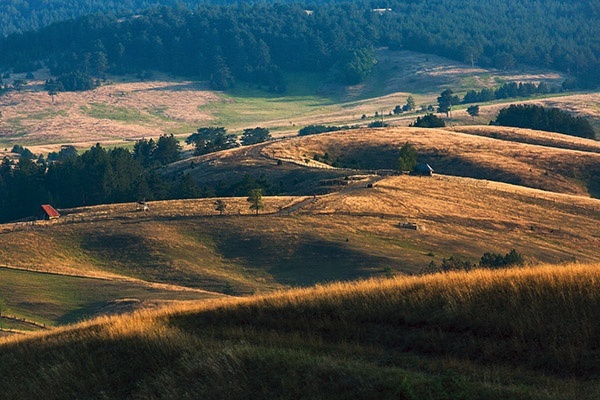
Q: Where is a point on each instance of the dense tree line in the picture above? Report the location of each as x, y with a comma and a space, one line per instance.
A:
259, 41
537, 117
102, 176
316, 129
97, 176
507, 91
488, 261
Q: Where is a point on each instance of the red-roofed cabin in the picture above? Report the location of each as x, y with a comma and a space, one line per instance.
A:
48, 212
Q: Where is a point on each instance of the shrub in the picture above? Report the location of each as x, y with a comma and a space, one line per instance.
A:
377, 124
429, 121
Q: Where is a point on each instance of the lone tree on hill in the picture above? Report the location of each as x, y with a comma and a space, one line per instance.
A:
410, 103
53, 87
255, 200
220, 206
408, 157
473, 111
446, 100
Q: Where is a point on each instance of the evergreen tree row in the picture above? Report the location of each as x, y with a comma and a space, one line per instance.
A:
509, 90
544, 119
99, 176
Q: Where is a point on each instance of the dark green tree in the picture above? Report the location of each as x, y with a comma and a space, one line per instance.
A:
168, 150
446, 100
354, 66
188, 188
407, 159
255, 135
255, 200
53, 87
143, 152
473, 111
429, 121
220, 206
410, 103
211, 139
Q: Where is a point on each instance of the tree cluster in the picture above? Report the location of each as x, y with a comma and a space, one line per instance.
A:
210, 139
429, 121
507, 91
488, 261
540, 118
259, 41
162, 152
316, 129
69, 179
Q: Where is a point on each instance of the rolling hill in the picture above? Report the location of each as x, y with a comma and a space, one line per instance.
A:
542, 160
511, 334
528, 190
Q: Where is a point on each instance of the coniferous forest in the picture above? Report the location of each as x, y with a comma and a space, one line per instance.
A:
259, 41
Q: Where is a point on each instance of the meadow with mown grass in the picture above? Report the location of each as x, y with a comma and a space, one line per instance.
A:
529, 333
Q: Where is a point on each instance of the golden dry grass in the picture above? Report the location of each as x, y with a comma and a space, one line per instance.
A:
544, 167
125, 109
109, 114
526, 333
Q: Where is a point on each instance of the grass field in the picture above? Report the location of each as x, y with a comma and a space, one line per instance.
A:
54, 299
353, 233
542, 160
125, 109
511, 334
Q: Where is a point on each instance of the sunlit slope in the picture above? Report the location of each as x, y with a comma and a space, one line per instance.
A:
511, 334
356, 232
501, 157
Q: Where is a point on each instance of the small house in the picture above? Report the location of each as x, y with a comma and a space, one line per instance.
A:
142, 206
422, 169
47, 212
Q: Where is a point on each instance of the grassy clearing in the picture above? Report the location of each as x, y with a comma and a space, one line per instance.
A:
128, 109
514, 334
104, 111
53, 299
245, 107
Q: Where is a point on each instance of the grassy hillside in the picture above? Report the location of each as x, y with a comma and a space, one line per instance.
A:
356, 232
52, 299
127, 109
511, 334
542, 160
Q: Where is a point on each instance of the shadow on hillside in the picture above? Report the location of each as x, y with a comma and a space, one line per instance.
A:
593, 186
302, 261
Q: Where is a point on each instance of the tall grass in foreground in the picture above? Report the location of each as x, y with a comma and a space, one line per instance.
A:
546, 318
520, 333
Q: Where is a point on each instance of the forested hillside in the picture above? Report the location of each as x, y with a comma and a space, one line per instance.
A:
256, 42
27, 15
